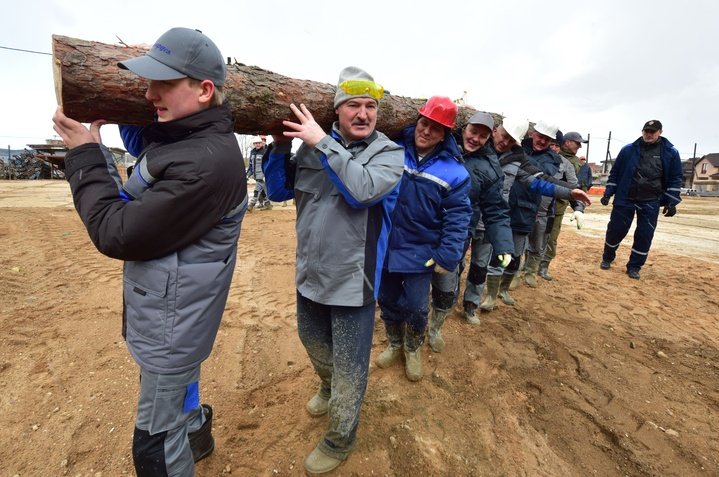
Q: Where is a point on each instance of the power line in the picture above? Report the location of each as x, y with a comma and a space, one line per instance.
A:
25, 51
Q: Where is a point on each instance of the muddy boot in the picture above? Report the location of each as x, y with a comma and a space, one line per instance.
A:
544, 271
470, 313
530, 272
395, 336
412, 357
201, 442
515, 281
436, 342
504, 285
492, 286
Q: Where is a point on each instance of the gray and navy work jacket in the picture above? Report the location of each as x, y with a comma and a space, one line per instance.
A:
345, 193
175, 223
524, 184
669, 180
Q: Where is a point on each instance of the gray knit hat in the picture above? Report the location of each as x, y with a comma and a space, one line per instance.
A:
180, 53
350, 85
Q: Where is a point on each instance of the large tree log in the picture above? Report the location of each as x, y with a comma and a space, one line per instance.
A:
89, 85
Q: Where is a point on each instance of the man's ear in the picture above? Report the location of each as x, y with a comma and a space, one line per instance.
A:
208, 91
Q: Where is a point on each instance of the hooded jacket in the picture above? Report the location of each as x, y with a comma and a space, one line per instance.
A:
175, 222
432, 215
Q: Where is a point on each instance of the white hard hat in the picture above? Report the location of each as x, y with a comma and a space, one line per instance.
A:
547, 129
255, 139
517, 128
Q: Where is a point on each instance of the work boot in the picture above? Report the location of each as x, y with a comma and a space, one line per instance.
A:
544, 272
318, 406
515, 281
318, 462
201, 442
530, 271
436, 342
395, 336
489, 302
470, 313
412, 356
504, 286
633, 273
605, 265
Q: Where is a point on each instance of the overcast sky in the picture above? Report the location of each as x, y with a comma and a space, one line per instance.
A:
588, 67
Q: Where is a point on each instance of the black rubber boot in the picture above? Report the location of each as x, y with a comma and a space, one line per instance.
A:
201, 441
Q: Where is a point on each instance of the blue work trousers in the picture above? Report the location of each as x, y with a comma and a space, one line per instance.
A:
619, 223
404, 297
338, 340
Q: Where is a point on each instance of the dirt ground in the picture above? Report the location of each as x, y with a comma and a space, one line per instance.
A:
590, 374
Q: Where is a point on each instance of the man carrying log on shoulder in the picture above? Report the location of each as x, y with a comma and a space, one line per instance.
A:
175, 223
345, 186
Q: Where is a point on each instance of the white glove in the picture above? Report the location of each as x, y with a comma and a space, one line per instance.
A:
579, 217
504, 259
437, 267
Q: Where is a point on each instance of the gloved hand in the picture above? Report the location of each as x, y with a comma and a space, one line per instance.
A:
604, 200
669, 210
579, 217
437, 267
504, 259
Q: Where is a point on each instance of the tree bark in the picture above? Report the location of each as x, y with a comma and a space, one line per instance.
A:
89, 85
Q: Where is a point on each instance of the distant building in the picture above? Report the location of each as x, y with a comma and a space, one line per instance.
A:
706, 173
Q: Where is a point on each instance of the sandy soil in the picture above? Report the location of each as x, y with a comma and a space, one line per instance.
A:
590, 374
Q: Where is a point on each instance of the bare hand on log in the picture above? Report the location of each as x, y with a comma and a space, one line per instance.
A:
73, 133
308, 130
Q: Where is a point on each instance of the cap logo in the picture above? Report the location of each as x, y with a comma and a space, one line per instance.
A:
162, 48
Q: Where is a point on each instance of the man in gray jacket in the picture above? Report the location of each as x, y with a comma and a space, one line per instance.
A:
345, 186
175, 223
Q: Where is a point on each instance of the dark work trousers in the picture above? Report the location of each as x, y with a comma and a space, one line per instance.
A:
404, 297
168, 408
338, 340
480, 254
619, 223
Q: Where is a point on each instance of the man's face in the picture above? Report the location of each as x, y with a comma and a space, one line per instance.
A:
427, 135
474, 136
503, 142
258, 145
554, 147
650, 136
357, 118
572, 146
175, 99
540, 142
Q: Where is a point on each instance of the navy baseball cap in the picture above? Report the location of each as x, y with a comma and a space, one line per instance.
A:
180, 53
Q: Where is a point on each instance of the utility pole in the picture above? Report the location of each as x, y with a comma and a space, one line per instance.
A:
694, 163
586, 155
607, 165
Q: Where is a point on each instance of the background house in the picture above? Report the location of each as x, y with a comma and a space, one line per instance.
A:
706, 174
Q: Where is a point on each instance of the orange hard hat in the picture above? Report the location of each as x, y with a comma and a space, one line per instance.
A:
440, 109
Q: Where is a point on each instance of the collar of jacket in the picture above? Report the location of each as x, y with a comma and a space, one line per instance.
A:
447, 148
217, 118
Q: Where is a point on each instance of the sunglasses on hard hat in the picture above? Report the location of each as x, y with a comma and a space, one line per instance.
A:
362, 87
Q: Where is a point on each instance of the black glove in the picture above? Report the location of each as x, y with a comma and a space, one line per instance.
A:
604, 200
669, 210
